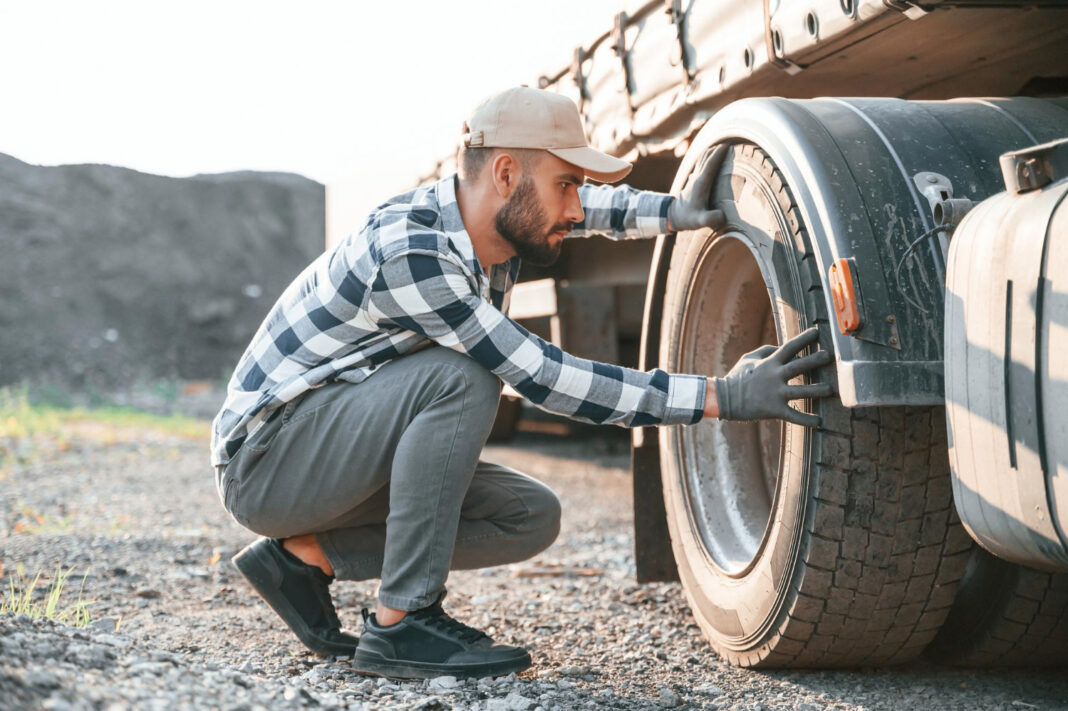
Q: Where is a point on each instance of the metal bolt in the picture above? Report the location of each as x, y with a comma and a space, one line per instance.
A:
890, 318
893, 340
932, 178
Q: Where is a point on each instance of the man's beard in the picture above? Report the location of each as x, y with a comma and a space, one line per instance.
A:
521, 221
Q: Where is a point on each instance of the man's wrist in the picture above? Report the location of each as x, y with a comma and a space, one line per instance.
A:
711, 399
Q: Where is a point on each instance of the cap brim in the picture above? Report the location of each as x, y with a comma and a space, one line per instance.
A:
598, 166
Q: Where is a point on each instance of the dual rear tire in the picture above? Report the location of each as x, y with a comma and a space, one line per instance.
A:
1005, 615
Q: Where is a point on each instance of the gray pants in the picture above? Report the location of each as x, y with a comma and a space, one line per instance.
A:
387, 474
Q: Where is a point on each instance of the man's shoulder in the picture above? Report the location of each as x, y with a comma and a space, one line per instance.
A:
409, 223
419, 203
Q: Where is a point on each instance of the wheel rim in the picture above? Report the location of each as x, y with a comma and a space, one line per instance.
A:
731, 468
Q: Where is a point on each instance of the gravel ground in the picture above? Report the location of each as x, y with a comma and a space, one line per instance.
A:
175, 626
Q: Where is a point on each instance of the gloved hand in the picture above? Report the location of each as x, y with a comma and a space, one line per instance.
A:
755, 388
690, 210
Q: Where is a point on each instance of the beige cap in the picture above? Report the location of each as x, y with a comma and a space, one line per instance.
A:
534, 118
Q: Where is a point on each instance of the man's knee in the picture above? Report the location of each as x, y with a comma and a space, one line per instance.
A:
480, 383
544, 518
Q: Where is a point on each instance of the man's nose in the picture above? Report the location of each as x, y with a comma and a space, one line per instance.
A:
573, 210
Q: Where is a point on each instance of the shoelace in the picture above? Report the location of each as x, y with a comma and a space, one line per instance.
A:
437, 617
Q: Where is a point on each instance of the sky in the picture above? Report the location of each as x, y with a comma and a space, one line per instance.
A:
364, 94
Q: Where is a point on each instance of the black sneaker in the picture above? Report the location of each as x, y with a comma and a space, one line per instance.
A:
428, 643
299, 593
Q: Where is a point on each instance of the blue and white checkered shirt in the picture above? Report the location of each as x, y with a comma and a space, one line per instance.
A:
411, 276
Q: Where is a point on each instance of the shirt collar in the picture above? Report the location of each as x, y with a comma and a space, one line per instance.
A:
452, 223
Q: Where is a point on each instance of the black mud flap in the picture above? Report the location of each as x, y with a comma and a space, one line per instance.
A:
654, 559
652, 545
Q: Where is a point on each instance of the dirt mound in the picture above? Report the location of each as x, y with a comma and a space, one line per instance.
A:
110, 276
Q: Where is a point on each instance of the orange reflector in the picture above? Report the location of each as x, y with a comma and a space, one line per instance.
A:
844, 296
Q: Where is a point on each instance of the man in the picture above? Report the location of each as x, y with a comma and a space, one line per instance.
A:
353, 425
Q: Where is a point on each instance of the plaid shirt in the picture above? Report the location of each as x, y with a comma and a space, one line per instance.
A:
411, 276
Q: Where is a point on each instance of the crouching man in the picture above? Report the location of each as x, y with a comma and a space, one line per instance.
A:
351, 435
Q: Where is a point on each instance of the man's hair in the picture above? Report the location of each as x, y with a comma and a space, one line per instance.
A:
471, 161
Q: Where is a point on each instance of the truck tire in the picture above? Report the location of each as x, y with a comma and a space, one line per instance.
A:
837, 546
1005, 615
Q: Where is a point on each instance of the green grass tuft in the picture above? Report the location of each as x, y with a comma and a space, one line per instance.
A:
20, 417
21, 598
27, 425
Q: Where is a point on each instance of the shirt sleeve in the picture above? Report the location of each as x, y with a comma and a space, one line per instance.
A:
621, 212
431, 295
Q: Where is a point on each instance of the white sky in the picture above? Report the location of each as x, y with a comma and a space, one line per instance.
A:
371, 92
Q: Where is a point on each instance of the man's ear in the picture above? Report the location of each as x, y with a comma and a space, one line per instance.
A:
506, 172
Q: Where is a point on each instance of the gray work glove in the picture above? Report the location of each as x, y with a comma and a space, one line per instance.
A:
690, 210
755, 388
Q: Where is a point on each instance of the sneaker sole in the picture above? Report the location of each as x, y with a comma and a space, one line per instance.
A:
374, 664
263, 574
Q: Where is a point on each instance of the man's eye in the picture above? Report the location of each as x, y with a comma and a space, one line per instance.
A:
564, 186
